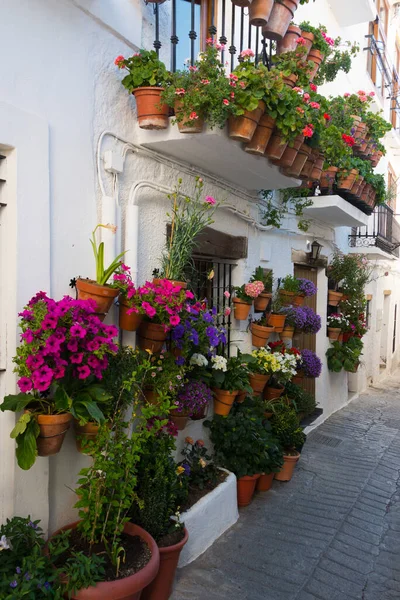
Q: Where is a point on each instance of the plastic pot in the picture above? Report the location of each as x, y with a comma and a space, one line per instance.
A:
264, 483
259, 12
261, 137
128, 322
246, 487
243, 127
151, 113
223, 401
281, 16
289, 463
103, 295
289, 41
260, 335
261, 303
241, 309
277, 321
258, 382
151, 336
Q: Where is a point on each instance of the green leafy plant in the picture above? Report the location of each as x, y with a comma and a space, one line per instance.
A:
345, 356
285, 426
250, 84
290, 284
144, 69
303, 402
233, 376
103, 274
266, 276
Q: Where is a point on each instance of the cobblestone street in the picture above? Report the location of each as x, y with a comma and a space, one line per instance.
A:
333, 532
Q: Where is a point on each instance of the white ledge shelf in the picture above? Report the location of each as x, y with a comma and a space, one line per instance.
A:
336, 211
214, 152
373, 253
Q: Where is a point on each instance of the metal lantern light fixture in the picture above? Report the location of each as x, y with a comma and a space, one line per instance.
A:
314, 255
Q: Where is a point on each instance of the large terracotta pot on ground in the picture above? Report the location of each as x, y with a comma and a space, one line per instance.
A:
273, 393
261, 303
128, 588
299, 161
223, 401
279, 21
264, 483
161, 586
241, 309
334, 333
258, 382
289, 42
260, 335
276, 146
291, 152
309, 38
286, 473
328, 178
103, 295
242, 128
128, 322
179, 418
316, 56
334, 297
277, 321
52, 433
151, 113
259, 12
261, 137
85, 433
151, 336
246, 487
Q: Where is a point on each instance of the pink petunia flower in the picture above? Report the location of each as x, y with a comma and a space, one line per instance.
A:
175, 320
83, 372
25, 384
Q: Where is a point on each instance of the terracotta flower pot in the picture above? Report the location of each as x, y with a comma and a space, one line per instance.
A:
328, 178
103, 295
187, 125
242, 128
276, 146
298, 300
241, 310
287, 333
334, 333
299, 161
264, 483
179, 418
290, 80
261, 303
199, 415
151, 113
289, 463
246, 486
316, 56
291, 152
286, 297
279, 21
271, 393
289, 41
347, 336
175, 283
361, 131
316, 171
277, 321
52, 433
308, 167
346, 179
309, 38
223, 401
260, 335
334, 297
151, 336
161, 586
261, 137
258, 382
84, 433
128, 322
259, 12
241, 397
298, 378
151, 396
128, 588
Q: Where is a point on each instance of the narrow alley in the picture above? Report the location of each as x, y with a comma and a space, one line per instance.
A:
333, 532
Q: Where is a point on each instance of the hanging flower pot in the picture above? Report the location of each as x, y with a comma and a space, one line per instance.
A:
199, 415
241, 397
346, 179
264, 483
316, 56
259, 12
289, 42
242, 128
260, 335
85, 433
180, 418
309, 39
151, 336
246, 487
347, 336
261, 137
161, 586
128, 322
334, 297
187, 124
279, 21
262, 301
308, 167
223, 401
316, 171
277, 321
328, 179
103, 295
289, 463
151, 112
290, 80
273, 393
334, 333
287, 333
258, 382
298, 300
361, 131
52, 433
291, 152
241, 309
286, 297
299, 161
276, 146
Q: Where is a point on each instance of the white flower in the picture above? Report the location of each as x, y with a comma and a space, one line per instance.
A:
199, 360
4, 543
219, 363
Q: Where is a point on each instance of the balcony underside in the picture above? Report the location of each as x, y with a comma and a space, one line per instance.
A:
353, 12
214, 152
336, 211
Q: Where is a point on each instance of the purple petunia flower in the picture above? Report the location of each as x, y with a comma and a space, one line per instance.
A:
194, 396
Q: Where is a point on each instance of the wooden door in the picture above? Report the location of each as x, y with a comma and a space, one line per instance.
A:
307, 340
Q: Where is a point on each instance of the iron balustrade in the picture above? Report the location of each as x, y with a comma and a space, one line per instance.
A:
382, 231
236, 33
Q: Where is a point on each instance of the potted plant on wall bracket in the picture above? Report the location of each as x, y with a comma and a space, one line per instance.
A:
287, 369
336, 323
280, 18
261, 332
131, 310
285, 426
244, 297
60, 362
229, 377
266, 276
307, 289
262, 365
145, 80
288, 289
277, 317
345, 356
99, 290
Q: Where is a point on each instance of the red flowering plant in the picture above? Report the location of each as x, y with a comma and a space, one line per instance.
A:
60, 362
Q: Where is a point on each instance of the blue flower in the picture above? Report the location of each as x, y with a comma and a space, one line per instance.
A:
14, 583
178, 332
33, 525
180, 361
18, 570
47, 585
187, 469
207, 318
27, 576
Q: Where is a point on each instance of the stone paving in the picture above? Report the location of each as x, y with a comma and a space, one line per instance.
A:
333, 532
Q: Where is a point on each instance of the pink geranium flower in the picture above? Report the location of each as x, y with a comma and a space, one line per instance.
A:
119, 61
210, 200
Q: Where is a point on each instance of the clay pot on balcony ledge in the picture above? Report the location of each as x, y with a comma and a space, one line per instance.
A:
259, 12
289, 42
346, 179
292, 149
276, 147
261, 137
151, 113
316, 56
243, 127
279, 21
309, 38
328, 179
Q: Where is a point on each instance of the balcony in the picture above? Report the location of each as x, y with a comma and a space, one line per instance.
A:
380, 238
336, 211
353, 12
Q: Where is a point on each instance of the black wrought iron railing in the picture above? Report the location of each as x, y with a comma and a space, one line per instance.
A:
187, 29
383, 231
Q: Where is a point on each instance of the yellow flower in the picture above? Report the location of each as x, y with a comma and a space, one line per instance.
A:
202, 463
211, 274
112, 228
180, 470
